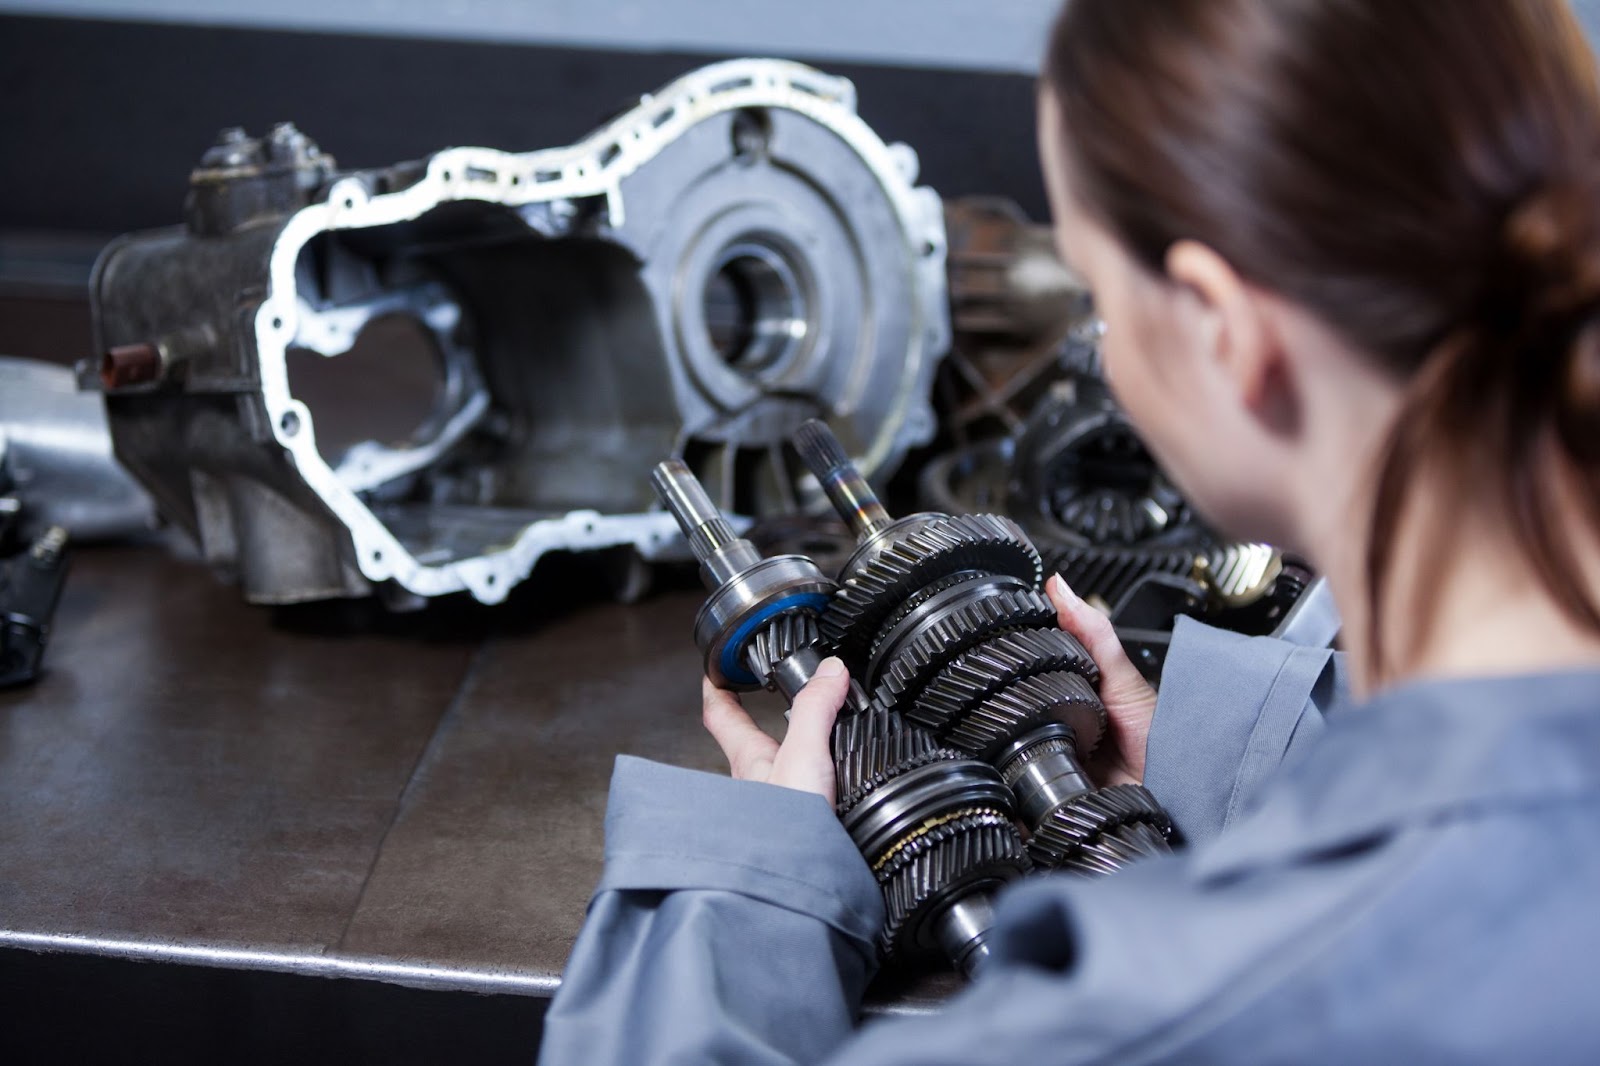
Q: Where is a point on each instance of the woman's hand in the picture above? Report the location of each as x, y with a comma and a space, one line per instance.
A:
804, 760
1129, 699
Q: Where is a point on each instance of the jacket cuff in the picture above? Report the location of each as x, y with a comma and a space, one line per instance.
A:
670, 829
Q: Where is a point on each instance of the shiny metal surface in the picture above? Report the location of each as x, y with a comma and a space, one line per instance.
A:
962, 930
724, 625
734, 254
55, 457
196, 781
889, 814
1314, 620
908, 627
1046, 784
846, 488
721, 553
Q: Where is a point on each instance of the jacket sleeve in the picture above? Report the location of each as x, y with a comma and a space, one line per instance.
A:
734, 923
1232, 710
1150, 965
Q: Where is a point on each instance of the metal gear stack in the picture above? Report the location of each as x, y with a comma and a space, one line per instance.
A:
935, 825
943, 621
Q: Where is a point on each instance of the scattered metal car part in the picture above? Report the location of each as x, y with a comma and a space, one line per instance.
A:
736, 254
1314, 620
1080, 482
1146, 617
934, 825
1012, 300
30, 588
56, 461
1081, 474
943, 620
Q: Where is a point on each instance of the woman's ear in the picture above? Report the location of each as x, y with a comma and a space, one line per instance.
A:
1234, 333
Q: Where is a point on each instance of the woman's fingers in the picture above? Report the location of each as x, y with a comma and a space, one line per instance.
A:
1094, 630
1129, 699
812, 716
805, 761
749, 751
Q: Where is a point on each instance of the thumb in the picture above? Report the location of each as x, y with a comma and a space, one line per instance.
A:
805, 760
1120, 679
815, 708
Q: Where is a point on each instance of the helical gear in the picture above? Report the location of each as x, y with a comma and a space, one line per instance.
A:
935, 833
785, 636
1058, 696
1109, 573
874, 747
936, 826
1104, 831
984, 672
919, 599
926, 553
908, 671
974, 855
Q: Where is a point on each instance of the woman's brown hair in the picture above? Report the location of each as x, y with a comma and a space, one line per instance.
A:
1424, 175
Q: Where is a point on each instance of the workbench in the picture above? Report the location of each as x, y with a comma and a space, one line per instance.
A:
332, 791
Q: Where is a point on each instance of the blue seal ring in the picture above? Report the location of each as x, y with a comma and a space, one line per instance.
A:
732, 652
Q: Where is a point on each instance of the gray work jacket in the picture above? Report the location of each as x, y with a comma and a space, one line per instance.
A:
1415, 880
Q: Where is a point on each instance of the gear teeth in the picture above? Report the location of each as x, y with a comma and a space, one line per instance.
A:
906, 853
920, 597
916, 664
1060, 696
1103, 831
874, 748
946, 870
1109, 573
1117, 850
977, 676
785, 636
938, 549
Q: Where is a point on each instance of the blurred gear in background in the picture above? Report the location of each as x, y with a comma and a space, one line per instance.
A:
1038, 436
734, 255
1011, 302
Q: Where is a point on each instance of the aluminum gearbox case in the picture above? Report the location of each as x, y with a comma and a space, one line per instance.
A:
734, 255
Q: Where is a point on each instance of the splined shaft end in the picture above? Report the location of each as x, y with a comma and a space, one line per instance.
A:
847, 490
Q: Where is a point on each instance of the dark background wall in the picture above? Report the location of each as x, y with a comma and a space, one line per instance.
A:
101, 121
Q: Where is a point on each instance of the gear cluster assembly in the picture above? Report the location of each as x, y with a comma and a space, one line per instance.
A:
960, 752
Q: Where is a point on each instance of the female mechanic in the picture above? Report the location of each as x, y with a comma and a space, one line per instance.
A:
1348, 256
